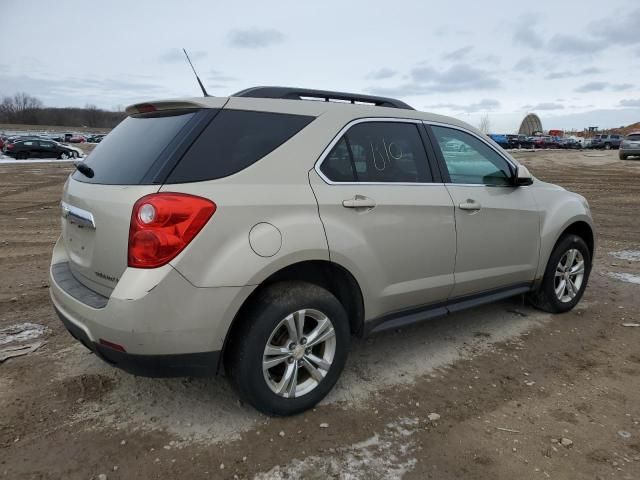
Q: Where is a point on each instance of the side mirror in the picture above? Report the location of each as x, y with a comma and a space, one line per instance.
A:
522, 177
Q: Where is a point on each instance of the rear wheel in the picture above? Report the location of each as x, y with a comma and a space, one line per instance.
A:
607, 146
23, 155
622, 156
289, 349
565, 277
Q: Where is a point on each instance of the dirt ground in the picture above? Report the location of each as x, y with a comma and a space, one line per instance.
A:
500, 392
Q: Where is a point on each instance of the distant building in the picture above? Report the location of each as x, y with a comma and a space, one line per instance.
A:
530, 125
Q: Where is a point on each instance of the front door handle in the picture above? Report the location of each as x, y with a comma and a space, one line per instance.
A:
359, 201
470, 205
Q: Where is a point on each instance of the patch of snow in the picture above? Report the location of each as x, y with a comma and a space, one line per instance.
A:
385, 456
625, 277
631, 255
10, 161
21, 332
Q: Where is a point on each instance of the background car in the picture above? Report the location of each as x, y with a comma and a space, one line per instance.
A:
500, 139
77, 139
606, 142
569, 143
519, 141
39, 148
630, 146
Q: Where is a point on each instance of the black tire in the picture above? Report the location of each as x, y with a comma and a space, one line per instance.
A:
22, 155
607, 146
622, 156
244, 353
545, 297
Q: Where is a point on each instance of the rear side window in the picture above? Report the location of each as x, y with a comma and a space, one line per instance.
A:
234, 140
635, 137
126, 155
380, 152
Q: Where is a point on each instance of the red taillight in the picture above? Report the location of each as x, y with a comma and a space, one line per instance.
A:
162, 224
10, 146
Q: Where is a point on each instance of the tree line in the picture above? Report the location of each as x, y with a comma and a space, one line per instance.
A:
22, 108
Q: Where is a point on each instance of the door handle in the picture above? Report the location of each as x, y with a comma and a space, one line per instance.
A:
359, 201
471, 205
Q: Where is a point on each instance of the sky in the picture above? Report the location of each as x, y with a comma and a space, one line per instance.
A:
574, 63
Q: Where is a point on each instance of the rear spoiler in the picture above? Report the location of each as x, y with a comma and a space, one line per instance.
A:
155, 106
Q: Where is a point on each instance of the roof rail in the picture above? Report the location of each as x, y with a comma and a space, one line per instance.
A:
307, 93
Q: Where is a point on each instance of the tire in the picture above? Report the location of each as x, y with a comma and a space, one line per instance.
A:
607, 146
264, 322
622, 156
546, 297
63, 156
22, 155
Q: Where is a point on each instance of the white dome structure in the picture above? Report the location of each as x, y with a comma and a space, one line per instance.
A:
530, 124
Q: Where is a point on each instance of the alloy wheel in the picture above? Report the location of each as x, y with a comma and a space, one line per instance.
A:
569, 275
299, 353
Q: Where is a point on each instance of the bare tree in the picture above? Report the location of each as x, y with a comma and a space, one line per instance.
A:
485, 124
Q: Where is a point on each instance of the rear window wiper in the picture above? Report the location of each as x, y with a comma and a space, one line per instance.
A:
84, 169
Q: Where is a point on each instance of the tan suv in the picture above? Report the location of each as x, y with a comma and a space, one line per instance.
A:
259, 232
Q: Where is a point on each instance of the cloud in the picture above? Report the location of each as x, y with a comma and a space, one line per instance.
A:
619, 87
458, 78
575, 45
77, 91
526, 35
599, 86
218, 76
569, 74
621, 30
630, 102
382, 74
485, 105
526, 65
458, 54
592, 87
255, 37
546, 106
176, 55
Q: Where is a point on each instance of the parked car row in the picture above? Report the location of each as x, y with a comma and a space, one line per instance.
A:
541, 141
36, 146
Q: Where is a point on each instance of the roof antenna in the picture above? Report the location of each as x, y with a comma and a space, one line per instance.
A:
204, 91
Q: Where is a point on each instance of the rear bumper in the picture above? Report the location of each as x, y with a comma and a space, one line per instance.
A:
630, 151
179, 365
162, 321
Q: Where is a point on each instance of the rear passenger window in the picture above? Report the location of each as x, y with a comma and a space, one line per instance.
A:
234, 140
379, 152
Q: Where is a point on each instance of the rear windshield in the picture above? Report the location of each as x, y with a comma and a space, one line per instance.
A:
188, 145
128, 153
234, 140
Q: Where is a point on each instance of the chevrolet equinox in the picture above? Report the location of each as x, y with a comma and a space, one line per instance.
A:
259, 232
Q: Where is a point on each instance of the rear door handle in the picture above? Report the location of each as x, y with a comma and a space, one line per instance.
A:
359, 201
471, 205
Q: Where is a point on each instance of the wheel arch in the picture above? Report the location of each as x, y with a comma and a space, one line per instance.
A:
584, 231
324, 273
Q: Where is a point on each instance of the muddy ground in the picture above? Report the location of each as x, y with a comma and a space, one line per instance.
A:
517, 393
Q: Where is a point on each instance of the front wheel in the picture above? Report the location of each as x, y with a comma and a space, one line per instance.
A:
289, 349
565, 277
622, 156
